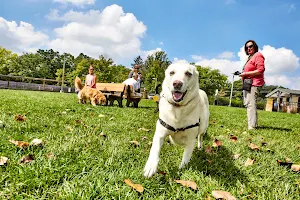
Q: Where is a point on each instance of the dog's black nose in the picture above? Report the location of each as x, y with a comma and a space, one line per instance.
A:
177, 84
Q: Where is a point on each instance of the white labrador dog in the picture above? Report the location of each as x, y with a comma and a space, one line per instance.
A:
183, 114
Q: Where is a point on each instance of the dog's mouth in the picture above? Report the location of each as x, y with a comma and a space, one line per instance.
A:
178, 96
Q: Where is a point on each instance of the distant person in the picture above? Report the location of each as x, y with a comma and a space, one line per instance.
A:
134, 83
253, 79
91, 78
136, 69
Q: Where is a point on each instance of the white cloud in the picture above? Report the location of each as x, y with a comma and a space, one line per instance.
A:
111, 32
20, 37
226, 55
278, 62
76, 2
145, 54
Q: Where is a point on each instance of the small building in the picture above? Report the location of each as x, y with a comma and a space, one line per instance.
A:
283, 100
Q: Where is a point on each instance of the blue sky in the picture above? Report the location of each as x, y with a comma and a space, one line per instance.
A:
208, 32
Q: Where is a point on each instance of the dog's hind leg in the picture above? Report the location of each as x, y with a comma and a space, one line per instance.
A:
200, 140
187, 154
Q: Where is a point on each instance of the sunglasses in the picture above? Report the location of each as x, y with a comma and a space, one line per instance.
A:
91, 69
249, 47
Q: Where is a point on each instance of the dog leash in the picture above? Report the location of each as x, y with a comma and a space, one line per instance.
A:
171, 128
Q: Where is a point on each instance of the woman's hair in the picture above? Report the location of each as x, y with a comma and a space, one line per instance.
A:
254, 45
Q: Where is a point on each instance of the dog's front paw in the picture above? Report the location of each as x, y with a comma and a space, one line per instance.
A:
150, 168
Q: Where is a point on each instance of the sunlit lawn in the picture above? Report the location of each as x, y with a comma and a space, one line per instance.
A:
77, 162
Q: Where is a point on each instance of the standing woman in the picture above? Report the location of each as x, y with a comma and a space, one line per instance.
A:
91, 78
253, 79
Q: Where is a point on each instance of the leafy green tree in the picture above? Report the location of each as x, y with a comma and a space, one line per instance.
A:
6, 59
154, 69
211, 79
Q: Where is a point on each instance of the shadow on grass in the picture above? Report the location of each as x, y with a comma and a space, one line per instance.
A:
219, 165
273, 128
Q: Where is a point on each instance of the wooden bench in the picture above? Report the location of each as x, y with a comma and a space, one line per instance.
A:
132, 97
112, 91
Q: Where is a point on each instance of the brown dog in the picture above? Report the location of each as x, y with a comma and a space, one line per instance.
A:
87, 93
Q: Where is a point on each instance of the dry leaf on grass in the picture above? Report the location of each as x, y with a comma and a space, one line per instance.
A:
144, 138
26, 159
217, 143
144, 129
209, 161
295, 168
111, 118
208, 150
3, 160
69, 128
137, 187
233, 138
50, 156
36, 142
135, 143
102, 134
20, 144
236, 156
161, 172
20, 118
190, 184
149, 143
219, 194
101, 115
78, 121
263, 143
249, 162
287, 162
253, 146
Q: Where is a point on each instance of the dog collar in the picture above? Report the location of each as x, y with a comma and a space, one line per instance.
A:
171, 128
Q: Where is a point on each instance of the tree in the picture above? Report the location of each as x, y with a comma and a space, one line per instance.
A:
154, 68
211, 79
6, 59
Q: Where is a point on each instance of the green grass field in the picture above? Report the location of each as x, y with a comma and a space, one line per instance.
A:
83, 164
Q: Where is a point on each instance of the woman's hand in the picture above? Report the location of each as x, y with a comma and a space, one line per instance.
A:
244, 74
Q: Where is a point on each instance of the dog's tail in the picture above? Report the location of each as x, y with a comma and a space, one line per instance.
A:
78, 83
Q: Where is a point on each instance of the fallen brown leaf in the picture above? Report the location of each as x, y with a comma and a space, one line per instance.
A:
217, 143
50, 156
263, 143
78, 121
26, 159
284, 163
249, 162
36, 142
209, 161
3, 160
101, 115
144, 138
233, 138
144, 129
208, 150
190, 184
135, 143
20, 118
219, 194
253, 146
20, 144
137, 187
295, 168
162, 172
236, 156
102, 134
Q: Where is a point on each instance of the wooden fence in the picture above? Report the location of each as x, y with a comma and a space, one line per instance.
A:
39, 84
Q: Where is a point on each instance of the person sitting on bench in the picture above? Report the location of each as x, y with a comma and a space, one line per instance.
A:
134, 83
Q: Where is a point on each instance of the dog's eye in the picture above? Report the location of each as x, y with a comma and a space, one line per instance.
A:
172, 73
189, 74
